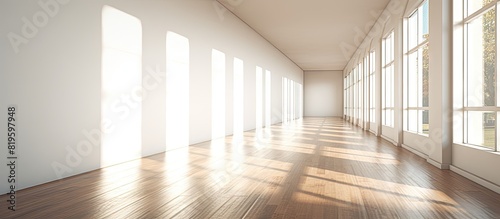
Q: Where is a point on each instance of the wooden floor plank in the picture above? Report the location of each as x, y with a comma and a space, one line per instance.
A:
312, 168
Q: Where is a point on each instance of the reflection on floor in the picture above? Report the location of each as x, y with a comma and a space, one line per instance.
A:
312, 168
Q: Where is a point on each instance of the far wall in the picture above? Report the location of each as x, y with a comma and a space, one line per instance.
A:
323, 94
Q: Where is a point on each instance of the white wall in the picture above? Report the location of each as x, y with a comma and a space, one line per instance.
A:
55, 78
323, 93
477, 164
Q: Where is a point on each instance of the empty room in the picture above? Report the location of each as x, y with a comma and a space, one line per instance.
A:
249, 109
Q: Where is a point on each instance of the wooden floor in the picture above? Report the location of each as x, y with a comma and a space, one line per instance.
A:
315, 168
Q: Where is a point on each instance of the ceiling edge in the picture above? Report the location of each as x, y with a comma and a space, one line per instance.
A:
350, 58
218, 1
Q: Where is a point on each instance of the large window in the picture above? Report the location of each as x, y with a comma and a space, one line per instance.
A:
372, 86
416, 77
366, 88
356, 95
345, 97
349, 96
482, 105
352, 96
388, 80
360, 93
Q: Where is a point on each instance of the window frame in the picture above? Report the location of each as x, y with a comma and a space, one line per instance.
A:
366, 89
409, 50
372, 104
467, 19
360, 93
388, 65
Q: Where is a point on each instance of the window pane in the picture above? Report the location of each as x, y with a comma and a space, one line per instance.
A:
424, 22
391, 47
412, 120
424, 121
372, 62
475, 5
390, 117
383, 53
425, 76
481, 128
384, 86
412, 79
372, 115
387, 88
386, 116
391, 85
388, 80
412, 30
481, 57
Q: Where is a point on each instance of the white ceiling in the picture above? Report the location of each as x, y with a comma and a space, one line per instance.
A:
310, 32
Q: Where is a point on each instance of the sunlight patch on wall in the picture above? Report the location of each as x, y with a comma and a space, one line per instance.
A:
268, 99
177, 98
284, 100
121, 88
218, 94
258, 99
238, 97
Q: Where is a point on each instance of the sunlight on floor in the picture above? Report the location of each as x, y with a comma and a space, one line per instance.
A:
379, 188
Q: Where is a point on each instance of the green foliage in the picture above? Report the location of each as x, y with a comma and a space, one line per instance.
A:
489, 57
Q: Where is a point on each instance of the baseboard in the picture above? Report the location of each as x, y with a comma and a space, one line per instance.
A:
420, 154
373, 132
442, 166
492, 186
426, 157
389, 140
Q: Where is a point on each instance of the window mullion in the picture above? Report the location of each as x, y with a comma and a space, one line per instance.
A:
479, 12
417, 47
497, 99
483, 108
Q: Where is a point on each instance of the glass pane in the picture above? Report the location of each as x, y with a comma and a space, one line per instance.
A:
481, 56
360, 71
391, 47
372, 91
355, 100
423, 121
425, 76
474, 5
424, 27
388, 49
372, 62
412, 30
418, 121
384, 85
412, 79
387, 117
372, 115
383, 117
391, 118
387, 88
413, 120
481, 128
391, 85
383, 53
